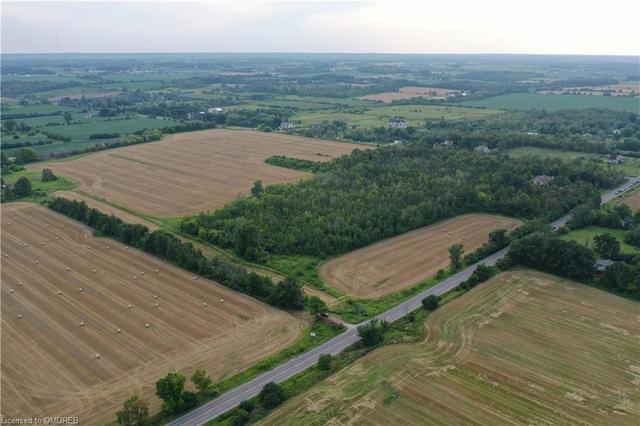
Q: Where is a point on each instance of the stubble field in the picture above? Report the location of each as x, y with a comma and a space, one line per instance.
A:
523, 348
81, 330
193, 172
633, 200
402, 261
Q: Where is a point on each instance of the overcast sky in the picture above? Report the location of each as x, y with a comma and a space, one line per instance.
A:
441, 26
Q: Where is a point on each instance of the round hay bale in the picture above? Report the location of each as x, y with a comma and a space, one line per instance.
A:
19, 316
37, 262
59, 292
135, 277
221, 300
146, 325
126, 247
97, 356
6, 255
19, 283
157, 271
156, 305
80, 289
195, 278
57, 238
204, 304
130, 306
11, 291
108, 247
81, 323
94, 271
68, 269
155, 296
141, 272
118, 330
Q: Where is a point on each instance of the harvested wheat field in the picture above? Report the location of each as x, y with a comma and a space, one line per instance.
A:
106, 208
86, 321
192, 172
525, 348
633, 200
402, 261
409, 92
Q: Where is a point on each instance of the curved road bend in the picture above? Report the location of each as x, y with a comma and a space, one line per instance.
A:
247, 390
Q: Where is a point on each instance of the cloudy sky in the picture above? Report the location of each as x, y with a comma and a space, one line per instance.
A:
449, 26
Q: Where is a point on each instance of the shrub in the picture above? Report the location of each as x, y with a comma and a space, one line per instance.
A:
48, 176
271, 396
22, 187
135, 412
430, 303
324, 362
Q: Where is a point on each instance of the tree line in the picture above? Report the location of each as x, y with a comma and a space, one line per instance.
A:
286, 294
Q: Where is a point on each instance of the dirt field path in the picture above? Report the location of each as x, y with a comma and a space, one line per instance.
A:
402, 261
193, 172
523, 348
68, 297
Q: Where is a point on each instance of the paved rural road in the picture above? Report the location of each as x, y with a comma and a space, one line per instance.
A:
232, 398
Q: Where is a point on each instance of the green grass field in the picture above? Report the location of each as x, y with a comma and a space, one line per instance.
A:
379, 116
586, 235
40, 190
121, 126
521, 101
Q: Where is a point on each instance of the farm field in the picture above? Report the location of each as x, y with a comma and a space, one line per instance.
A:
106, 208
410, 92
620, 89
122, 126
550, 102
523, 348
413, 114
402, 261
192, 172
85, 351
633, 200
585, 237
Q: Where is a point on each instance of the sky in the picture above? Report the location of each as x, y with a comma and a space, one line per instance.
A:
441, 26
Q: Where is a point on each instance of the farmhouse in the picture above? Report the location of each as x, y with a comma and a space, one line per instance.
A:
541, 180
397, 123
482, 149
602, 264
617, 159
287, 125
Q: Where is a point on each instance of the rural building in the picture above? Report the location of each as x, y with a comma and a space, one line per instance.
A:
617, 159
447, 144
482, 149
616, 131
602, 264
542, 180
532, 133
397, 123
287, 125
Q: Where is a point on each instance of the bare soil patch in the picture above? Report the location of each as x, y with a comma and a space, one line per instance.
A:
402, 261
193, 172
65, 300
